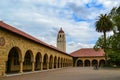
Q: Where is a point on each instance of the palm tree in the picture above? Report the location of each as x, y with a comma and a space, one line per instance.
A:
104, 24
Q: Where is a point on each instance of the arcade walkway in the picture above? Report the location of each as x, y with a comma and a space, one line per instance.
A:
86, 73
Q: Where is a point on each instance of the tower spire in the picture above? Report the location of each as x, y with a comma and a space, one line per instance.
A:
61, 30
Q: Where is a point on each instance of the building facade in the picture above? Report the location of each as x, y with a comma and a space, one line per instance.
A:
20, 52
87, 57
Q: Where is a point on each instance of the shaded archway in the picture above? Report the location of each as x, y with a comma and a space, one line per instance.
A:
55, 62
27, 64
50, 62
94, 62
13, 62
38, 59
45, 62
87, 63
101, 63
79, 63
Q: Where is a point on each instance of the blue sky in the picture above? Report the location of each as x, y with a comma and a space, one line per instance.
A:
43, 19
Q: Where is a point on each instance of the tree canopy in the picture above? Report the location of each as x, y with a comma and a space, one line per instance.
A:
104, 24
115, 18
111, 44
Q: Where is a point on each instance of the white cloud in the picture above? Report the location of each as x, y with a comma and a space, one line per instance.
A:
43, 19
109, 3
73, 46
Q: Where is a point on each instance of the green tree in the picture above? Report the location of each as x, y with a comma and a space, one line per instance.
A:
114, 57
115, 41
115, 18
113, 47
100, 43
104, 24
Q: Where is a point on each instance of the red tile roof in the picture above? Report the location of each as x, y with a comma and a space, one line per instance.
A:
88, 52
23, 34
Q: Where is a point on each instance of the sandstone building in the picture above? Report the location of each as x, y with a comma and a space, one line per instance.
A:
88, 57
20, 52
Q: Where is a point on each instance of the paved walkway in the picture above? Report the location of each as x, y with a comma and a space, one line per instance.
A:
70, 74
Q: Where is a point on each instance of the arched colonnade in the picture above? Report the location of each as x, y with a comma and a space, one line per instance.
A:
29, 61
90, 62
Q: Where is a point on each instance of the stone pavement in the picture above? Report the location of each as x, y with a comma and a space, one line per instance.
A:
79, 73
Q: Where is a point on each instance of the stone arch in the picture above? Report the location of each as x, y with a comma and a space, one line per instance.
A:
55, 62
28, 59
13, 61
45, 62
101, 62
79, 63
50, 62
94, 62
87, 63
38, 60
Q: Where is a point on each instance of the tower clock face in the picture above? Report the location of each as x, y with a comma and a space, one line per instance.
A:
2, 41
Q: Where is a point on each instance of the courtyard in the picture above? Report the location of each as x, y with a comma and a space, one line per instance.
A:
71, 73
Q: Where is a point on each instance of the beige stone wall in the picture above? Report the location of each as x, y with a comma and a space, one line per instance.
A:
13, 40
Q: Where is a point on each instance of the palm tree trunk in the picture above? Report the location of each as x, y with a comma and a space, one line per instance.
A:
104, 40
105, 47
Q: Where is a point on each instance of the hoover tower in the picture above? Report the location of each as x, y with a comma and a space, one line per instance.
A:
61, 40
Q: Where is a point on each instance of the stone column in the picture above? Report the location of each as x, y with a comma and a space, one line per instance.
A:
41, 65
61, 65
71, 64
47, 65
83, 63
21, 66
75, 64
98, 62
3, 66
90, 63
56, 65
33, 66
52, 65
